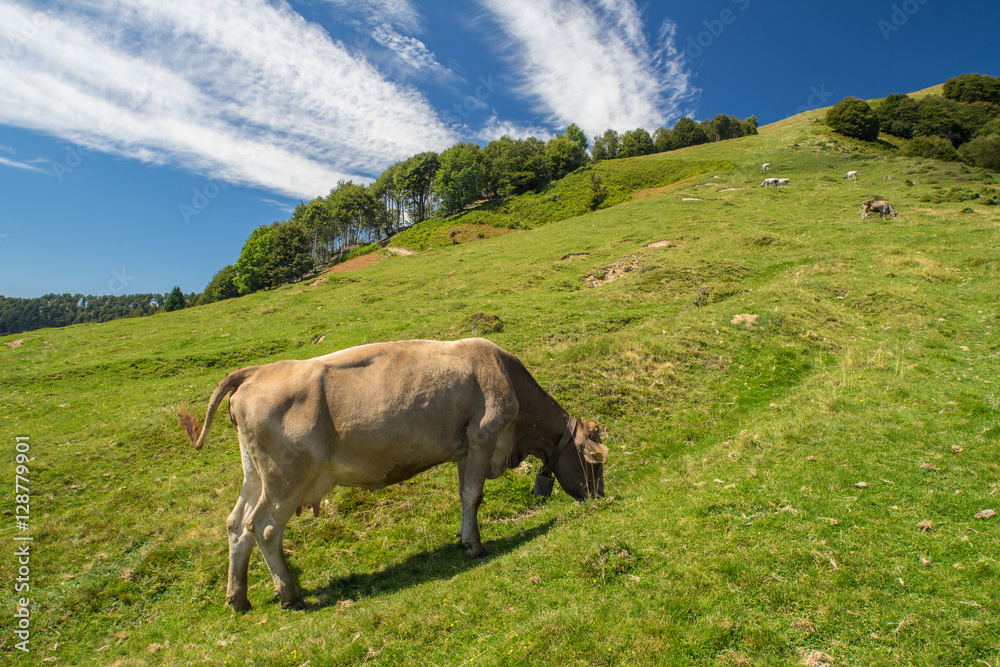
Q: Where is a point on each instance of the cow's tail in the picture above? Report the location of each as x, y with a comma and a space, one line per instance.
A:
195, 432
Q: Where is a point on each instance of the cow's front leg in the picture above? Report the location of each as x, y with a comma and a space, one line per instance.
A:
268, 523
472, 477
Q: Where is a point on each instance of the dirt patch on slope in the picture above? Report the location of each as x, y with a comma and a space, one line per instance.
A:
613, 272
357, 263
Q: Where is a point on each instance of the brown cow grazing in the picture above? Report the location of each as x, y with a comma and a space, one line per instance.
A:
880, 206
376, 415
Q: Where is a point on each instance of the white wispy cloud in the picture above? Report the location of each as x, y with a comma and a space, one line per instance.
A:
244, 90
494, 128
17, 164
590, 63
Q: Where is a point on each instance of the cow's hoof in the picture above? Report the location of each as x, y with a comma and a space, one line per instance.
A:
239, 605
297, 605
481, 552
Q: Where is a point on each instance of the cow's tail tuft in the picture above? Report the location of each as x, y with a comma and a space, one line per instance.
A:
197, 433
190, 424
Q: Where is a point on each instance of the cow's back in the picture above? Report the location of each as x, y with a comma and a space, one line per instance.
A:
374, 414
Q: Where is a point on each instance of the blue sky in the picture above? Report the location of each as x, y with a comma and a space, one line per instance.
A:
142, 141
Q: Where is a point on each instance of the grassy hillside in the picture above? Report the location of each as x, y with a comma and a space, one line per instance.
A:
801, 409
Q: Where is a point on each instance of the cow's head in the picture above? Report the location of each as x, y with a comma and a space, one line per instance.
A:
580, 469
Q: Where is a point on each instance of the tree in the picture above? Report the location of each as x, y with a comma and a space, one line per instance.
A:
574, 133
460, 177
175, 300
414, 178
898, 115
939, 117
222, 286
596, 192
289, 258
973, 88
853, 118
606, 146
250, 274
686, 133
392, 198
662, 140
636, 142
515, 166
357, 214
563, 155
983, 152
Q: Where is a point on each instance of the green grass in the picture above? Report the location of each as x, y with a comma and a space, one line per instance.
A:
733, 532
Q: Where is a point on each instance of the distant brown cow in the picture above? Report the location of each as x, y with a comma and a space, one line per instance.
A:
880, 206
376, 415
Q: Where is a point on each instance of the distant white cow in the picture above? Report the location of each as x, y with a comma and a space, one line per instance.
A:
853, 175
769, 182
766, 166
780, 182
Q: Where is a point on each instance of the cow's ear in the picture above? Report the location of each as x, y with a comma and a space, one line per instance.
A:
592, 429
595, 453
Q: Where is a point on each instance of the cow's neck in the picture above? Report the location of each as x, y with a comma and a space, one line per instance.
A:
541, 423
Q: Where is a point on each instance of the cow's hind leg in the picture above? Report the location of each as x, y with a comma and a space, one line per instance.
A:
241, 541
241, 544
267, 522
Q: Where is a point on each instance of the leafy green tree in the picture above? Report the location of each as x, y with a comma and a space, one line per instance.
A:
515, 166
174, 301
974, 116
460, 177
596, 192
853, 118
973, 88
898, 115
222, 286
749, 126
938, 116
606, 146
686, 133
983, 152
636, 142
662, 140
358, 215
392, 198
574, 133
563, 155
414, 178
289, 258
250, 267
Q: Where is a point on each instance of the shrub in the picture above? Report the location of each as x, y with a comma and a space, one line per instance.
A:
982, 152
973, 88
853, 118
934, 148
897, 115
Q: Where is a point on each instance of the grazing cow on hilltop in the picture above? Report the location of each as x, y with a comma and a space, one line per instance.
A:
880, 206
769, 182
376, 415
766, 166
853, 175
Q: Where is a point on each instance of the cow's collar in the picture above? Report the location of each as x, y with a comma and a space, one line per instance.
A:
567, 436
